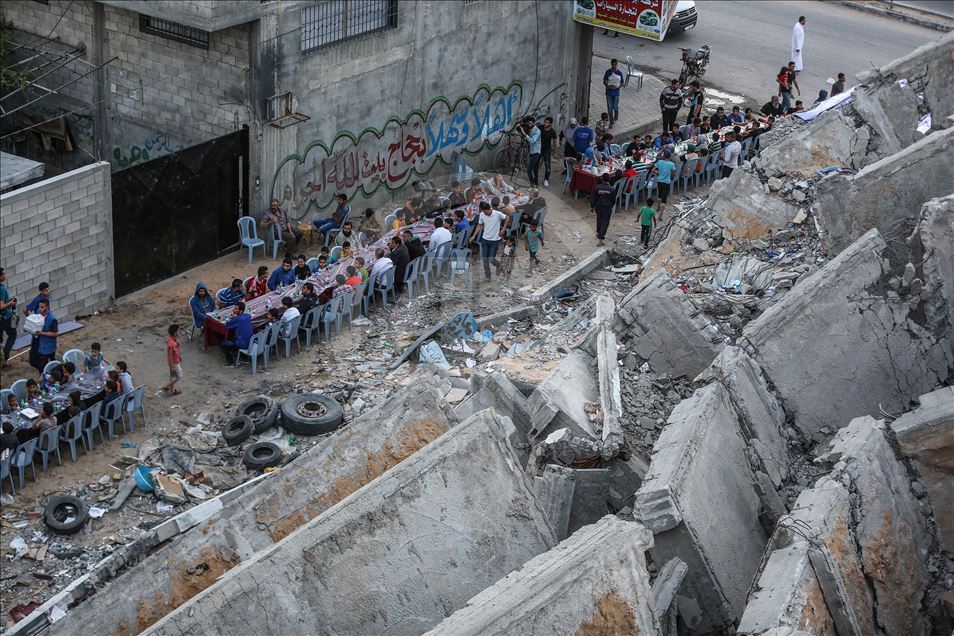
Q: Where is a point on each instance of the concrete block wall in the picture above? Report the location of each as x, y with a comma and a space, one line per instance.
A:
60, 231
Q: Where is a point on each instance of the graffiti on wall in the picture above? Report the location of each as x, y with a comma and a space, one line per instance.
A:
401, 149
156, 144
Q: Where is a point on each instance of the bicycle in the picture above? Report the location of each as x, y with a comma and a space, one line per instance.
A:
512, 154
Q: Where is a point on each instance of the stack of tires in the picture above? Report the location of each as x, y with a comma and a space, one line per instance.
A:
305, 414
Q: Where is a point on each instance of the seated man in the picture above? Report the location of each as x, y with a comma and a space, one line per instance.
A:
370, 225
309, 298
691, 130
662, 140
258, 286
531, 209
736, 116
201, 304
439, 236
334, 222
347, 233
415, 208
281, 277
799, 105
719, 119
302, 271
415, 248
773, 107
240, 332
288, 315
456, 196
472, 193
461, 224
275, 215
233, 294
381, 265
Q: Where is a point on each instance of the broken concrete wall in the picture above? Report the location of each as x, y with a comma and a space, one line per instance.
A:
659, 323
595, 582
854, 553
371, 445
926, 435
553, 405
835, 138
932, 253
397, 556
700, 501
837, 330
887, 194
745, 207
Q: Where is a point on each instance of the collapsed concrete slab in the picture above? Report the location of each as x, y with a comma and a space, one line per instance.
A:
852, 556
836, 330
611, 397
595, 582
700, 501
931, 246
552, 406
926, 435
835, 138
397, 556
659, 323
746, 208
175, 572
887, 194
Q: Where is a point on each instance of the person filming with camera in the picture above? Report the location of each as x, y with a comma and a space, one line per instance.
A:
531, 134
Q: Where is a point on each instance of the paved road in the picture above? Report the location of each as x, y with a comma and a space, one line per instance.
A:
940, 7
751, 41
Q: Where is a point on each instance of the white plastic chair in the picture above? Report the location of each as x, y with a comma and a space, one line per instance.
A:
48, 442
248, 236
19, 389
460, 265
136, 403
76, 356
312, 264
632, 72
52, 364
293, 326
309, 323
23, 457
276, 236
72, 433
410, 277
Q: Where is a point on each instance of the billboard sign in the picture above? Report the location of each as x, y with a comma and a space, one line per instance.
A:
642, 18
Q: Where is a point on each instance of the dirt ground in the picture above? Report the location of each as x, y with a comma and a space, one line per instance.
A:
357, 359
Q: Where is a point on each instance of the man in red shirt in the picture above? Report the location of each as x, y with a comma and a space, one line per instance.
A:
258, 286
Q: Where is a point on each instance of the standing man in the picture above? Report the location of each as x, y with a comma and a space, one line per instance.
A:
695, 100
548, 140
839, 85
670, 99
400, 257
664, 173
34, 305
490, 226
43, 345
786, 82
275, 215
531, 135
567, 135
601, 201
731, 155
798, 41
582, 137
612, 80
7, 307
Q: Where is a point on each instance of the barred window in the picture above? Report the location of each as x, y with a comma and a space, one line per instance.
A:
335, 21
174, 31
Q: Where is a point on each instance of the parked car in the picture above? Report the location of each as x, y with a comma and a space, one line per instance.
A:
684, 19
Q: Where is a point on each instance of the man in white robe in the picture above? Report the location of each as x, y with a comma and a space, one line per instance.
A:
798, 41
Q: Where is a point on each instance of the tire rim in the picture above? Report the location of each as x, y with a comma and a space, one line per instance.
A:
311, 409
64, 511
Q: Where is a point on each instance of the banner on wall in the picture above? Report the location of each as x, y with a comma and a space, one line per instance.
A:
642, 18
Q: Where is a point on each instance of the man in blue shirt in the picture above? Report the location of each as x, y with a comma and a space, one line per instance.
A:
337, 217
531, 134
43, 345
240, 331
582, 137
612, 80
233, 294
7, 307
34, 305
462, 224
664, 173
283, 276
662, 141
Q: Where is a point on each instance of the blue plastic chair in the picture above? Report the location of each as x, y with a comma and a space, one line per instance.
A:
388, 220
410, 277
256, 347
276, 236
52, 364
676, 174
442, 258
460, 265
332, 235
112, 412
135, 402
218, 294
248, 236
23, 457
632, 187
426, 269
48, 442
308, 324
344, 309
3, 396
462, 238
360, 300
72, 433
616, 150
76, 356
618, 190
91, 424
335, 253
271, 340
331, 313
689, 172
5, 472
312, 264
293, 326
383, 287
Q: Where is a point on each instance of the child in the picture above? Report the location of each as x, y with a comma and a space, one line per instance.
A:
324, 251
362, 270
509, 258
125, 379
647, 219
174, 360
302, 271
346, 251
47, 420
508, 208
322, 262
95, 359
112, 391
11, 406
399, 220
68, 369
534, 239
76, 404
33, 390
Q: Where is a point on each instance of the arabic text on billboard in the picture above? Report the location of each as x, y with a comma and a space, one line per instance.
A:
643, 18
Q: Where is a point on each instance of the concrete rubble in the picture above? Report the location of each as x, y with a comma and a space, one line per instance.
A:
397, 555
594, 582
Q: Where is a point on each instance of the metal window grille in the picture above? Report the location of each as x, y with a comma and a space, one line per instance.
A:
174, 31
335, 21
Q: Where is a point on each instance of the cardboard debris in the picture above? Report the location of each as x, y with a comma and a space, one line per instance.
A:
169, 489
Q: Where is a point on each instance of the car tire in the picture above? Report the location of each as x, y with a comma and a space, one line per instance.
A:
311, 414
262, 455
237, 430
61, 507
262, 410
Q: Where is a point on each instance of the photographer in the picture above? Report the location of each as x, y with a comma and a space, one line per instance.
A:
7, 307
531, 134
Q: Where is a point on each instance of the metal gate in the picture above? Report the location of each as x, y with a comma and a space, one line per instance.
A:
178, 211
